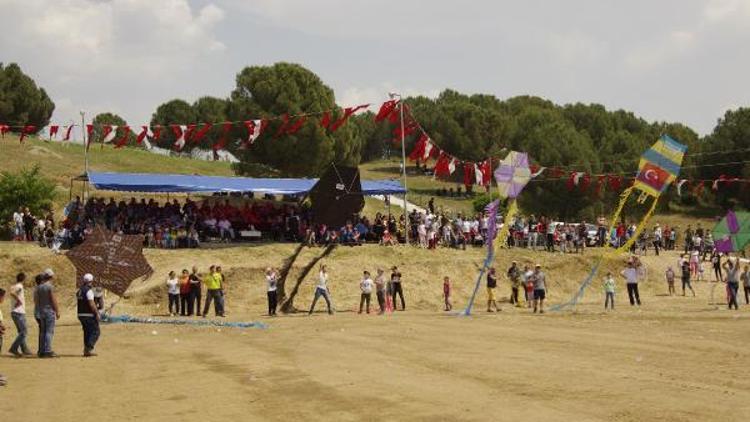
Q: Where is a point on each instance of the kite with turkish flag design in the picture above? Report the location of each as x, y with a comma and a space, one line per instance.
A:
659, 166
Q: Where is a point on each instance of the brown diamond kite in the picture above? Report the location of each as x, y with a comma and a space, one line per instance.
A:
114, 259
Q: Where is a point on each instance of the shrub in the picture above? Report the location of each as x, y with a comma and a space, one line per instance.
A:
27, 188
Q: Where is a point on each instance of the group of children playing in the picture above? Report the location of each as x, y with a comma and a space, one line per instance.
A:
534, 286
533, 283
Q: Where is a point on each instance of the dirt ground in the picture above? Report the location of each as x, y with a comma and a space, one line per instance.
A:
675, 359
419, 365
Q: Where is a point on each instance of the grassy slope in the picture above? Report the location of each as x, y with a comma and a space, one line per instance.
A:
421, 188
62, 161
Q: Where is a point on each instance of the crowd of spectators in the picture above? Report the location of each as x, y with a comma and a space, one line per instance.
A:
187, 224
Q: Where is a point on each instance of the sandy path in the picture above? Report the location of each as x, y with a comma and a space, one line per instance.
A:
689, 364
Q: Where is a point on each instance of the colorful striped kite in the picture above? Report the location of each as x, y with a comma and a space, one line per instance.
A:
658, 168
511, 176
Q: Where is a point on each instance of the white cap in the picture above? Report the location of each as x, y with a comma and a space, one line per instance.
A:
88, 278
49, 273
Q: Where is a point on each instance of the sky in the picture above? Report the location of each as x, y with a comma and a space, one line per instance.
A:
667, 60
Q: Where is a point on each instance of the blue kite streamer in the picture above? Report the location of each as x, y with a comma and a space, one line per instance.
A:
579, 295
491, 209
122, 319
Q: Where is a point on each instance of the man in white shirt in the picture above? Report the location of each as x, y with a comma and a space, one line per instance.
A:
630, 274
365, 286
322, 290
18, 314
225, 229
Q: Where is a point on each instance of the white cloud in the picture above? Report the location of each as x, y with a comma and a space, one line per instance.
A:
375, 95
721, 10
118, 48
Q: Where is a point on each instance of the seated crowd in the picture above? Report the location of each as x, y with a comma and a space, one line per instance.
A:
181, 225
185, 225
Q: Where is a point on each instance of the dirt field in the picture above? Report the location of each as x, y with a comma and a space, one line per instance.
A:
676, 359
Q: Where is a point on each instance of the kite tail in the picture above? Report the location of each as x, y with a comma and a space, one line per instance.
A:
616, 216
639, 228
581, 290
485, 266
502, 236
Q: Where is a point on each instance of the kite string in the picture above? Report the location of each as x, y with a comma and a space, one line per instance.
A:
510, 213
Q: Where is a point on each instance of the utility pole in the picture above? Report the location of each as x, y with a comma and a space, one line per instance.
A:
85, 151
407, 226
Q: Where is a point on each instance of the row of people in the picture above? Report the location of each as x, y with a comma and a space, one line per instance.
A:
89, 308
184, 292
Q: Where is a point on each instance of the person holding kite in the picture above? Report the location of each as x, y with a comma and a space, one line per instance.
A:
88, 315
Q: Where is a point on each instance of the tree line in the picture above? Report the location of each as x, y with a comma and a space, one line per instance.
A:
582, 137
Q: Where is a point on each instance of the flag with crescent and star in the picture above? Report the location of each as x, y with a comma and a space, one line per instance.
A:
659, 166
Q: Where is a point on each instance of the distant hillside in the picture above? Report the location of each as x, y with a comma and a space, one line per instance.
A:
61, 161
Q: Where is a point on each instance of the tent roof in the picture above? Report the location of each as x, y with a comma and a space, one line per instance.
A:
179, 183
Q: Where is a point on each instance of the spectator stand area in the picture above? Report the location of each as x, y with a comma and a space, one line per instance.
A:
213, 209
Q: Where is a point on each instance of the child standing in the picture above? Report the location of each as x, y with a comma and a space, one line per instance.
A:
670, 281
609, 291
366, 287
447, 293
173, 290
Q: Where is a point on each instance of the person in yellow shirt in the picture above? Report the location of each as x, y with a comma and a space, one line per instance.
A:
219, 277
213, 292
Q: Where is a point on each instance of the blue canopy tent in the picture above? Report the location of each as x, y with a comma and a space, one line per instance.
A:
178, 183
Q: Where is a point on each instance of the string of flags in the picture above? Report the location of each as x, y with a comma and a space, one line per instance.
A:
479, 173
187, 133
445, 166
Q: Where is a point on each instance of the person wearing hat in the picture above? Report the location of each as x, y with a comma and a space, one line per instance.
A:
88, 315
46, 312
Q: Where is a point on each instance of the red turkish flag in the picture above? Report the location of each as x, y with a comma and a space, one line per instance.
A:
222, 141
27, 130
124, 138
653, 176
89, 135
53, 131
68, 130
348, 112
296, 126
141, 136
326, 120
201, 133
386, 110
